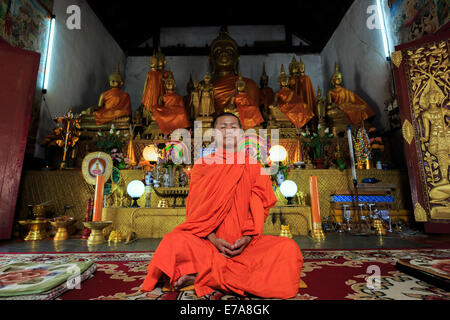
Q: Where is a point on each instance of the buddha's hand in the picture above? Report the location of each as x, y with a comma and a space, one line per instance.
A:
223, 246
240, 245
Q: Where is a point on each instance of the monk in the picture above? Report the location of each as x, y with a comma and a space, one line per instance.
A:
114, 103
172, 114
220, 246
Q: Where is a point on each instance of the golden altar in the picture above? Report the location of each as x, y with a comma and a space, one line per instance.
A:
68, 187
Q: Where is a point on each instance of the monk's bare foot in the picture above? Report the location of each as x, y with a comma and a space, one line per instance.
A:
184, 281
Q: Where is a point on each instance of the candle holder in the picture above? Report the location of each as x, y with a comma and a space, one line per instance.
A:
96, 237
61, 224
36, 229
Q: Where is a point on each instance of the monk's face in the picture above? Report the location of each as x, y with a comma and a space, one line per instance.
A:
230, 130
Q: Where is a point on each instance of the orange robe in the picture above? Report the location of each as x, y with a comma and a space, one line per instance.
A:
356, 108
231, 200
117, 104
248, 111
172, 114
266, 97
291, 105
153, 89
304, 88
225, 88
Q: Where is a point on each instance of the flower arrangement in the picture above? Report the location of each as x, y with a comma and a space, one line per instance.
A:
112, 143
361, 145
376, 144
318, 141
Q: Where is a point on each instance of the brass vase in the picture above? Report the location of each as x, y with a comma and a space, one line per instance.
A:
96, 237
61, 224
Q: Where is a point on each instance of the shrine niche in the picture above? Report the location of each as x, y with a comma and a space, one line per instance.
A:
422, 77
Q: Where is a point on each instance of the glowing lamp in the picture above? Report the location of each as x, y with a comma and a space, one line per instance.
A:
150, 153
49, 54
288, 189
277, 153
135, 190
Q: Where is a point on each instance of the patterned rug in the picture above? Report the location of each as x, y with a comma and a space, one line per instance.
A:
329, 275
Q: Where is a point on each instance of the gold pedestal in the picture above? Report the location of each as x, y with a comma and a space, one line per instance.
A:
37, 229
378, 225
317, 234
286, 231
96, 227
61, 225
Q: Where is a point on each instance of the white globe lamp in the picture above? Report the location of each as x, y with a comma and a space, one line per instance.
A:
150, 153
288, 189
135, 190
277, 153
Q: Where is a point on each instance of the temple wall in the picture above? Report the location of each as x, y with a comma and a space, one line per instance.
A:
82, 61
362, 62
183, 66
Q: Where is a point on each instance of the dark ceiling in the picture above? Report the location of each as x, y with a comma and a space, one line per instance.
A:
132, 22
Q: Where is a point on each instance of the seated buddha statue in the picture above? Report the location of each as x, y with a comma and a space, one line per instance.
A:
248, 110
224, 61
114, 107
171, 114
345, 107
288, 102
266, 95
301, 83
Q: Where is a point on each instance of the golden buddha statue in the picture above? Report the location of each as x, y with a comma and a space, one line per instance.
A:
153, 90
321, 109
171, 115
224, 61
248, 110
206, 99
266, 95
302, 84
437, 134
288, 102
114, 107
194, 100
162, 62
345, 107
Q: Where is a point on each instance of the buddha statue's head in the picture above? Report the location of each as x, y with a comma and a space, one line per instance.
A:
301, 67
161, 59
336, 78
115, 79
224, 56
283, 79
190, 85
264, 80
294, 67
170, 84
241, 86
154, 62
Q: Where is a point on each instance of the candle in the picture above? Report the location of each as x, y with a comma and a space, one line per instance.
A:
98, 200
315, 206
352, 158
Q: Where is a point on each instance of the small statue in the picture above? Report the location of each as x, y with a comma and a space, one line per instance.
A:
162, 62
206, 95
345, 107
182, 179
289, 103
248, 111
153, 90
267, 96
321, 108
194, 100
166, 178
171, 115
302, 84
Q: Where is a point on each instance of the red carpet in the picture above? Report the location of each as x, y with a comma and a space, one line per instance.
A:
329, 275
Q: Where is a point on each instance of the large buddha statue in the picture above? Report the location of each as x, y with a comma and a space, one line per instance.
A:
171, 114
266, 94
114, 106
301, 83
162, 62
345, 107
248, 110
224, 61
289, 103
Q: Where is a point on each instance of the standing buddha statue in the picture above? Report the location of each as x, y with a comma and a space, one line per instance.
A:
321, 108
341, 100
206, 95
302, 84
248, 110
114, 103
224, 61
290, 104
153, 89
171, 115
266, 94
162, 62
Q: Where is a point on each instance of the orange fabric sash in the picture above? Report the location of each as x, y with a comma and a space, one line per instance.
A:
267, 96
356, 108
305, 90
172, 114
248, 111
296, 111
117, 105
225, 88
153, 89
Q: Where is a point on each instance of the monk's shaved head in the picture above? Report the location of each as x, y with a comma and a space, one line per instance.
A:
226, 114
